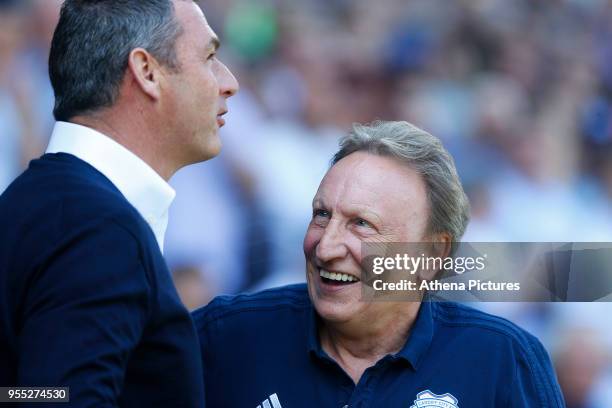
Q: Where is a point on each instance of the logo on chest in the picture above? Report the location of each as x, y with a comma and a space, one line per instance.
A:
271, 402
427, 399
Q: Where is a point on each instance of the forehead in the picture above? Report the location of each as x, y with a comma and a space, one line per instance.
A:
193, 22
381, 184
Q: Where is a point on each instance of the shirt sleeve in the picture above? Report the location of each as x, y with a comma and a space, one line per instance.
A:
86, 309
535, 383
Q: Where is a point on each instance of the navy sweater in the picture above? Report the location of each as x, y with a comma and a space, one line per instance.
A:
86, 299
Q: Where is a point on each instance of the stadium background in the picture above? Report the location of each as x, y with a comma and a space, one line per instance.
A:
519, 91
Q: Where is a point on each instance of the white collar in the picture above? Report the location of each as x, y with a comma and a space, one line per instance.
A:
144, 189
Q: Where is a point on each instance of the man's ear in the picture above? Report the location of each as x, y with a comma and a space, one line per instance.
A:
146, 72
439, 247
442, 244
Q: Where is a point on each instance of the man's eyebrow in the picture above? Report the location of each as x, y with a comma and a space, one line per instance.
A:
318, 202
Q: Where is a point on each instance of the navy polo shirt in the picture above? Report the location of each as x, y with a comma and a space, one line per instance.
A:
262, 350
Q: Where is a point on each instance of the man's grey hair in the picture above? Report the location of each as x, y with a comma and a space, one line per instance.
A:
425, 154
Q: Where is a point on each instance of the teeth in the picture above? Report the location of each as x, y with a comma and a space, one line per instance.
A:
341, 277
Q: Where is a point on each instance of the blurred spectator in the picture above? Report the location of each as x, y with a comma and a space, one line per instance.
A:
581, 359
44, 15
190, 286
26, 97
13, 123
217, 227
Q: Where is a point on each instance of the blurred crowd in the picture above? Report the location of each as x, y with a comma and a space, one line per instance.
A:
519, 91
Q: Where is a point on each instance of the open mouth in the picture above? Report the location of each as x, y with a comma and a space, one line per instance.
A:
220, 120
337, 278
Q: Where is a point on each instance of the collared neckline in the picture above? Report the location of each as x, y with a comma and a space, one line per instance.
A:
417, 344
313, 343
420, 336
143, 188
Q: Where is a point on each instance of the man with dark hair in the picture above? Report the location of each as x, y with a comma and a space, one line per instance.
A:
86, 299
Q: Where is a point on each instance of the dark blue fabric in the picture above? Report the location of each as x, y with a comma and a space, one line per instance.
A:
257, 345
86, 299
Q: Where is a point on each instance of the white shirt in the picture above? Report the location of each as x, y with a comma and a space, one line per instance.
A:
143, 188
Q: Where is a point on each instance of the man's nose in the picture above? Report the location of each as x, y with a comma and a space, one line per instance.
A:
228, 84
332, 244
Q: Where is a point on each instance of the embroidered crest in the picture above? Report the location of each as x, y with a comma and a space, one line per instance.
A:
427, 399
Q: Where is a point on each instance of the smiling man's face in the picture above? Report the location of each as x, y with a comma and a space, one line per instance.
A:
362, 198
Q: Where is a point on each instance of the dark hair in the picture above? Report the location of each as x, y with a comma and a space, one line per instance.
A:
91, 45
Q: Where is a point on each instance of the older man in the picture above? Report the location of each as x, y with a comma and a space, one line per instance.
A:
86, 300
323, 346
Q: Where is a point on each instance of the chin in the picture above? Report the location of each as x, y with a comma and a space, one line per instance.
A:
335, 309
335, 312
214, 152
211, 149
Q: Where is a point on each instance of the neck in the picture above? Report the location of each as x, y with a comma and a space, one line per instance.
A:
359, 344
135, 135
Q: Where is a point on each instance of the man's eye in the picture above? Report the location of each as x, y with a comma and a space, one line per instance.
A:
320, 213
362, 223
211, 56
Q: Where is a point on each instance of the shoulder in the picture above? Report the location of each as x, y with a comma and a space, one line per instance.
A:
271, 304
66, 193
452, 314
505, 344
485, 327
60, 176
479, 323
61, 201
247, 330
